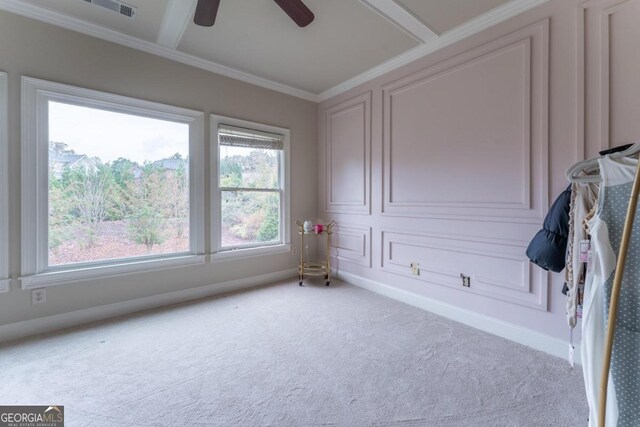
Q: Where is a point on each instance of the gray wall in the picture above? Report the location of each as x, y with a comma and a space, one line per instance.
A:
35, 49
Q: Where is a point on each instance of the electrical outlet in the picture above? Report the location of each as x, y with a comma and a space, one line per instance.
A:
415, 268
294, 251
38, 296
466, 280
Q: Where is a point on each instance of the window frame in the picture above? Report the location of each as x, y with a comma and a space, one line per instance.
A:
36, 95
5, 280
218, 252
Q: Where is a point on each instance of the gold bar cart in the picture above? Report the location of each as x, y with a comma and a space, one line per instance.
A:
320, 268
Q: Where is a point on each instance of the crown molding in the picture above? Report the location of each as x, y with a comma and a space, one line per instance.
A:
50, 17
480, 23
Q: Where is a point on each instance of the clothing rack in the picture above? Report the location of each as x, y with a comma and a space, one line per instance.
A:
615, 293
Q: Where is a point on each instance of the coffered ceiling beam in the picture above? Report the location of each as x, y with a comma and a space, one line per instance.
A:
402, 18
176, 18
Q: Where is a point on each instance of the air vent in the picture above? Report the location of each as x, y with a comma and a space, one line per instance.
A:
115, 6
127, 11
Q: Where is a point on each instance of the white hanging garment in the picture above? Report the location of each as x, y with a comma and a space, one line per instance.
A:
606, 235
584, 197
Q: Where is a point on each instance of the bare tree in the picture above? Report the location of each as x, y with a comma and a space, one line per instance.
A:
177, 198
88, 195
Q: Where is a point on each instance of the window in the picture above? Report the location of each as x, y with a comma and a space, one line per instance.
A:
4, 202
117, 184
251, 204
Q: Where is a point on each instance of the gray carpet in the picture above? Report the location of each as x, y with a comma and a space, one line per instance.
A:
283, 355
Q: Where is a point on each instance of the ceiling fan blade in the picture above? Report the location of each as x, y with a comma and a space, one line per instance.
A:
206, 12
297, 11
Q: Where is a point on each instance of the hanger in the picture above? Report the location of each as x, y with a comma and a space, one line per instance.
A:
582, 171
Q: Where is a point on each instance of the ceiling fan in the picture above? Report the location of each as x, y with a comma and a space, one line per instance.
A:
206, 11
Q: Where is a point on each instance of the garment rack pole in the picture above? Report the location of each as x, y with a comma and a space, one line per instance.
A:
615, 294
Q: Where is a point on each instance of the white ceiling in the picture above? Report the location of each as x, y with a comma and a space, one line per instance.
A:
345, 39
444, 15
349, 41
145, 26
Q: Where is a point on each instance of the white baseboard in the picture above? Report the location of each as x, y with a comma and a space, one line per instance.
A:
528, 337
56, 322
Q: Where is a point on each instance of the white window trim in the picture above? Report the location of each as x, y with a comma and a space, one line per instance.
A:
217, 252
35, 96
4, 188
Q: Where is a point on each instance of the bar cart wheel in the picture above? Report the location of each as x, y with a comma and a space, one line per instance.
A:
327, 284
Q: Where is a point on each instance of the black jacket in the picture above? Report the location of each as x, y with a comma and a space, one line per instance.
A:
548, 247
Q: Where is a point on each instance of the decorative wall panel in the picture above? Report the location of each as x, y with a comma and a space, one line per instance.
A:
497, 268
352, 243
608, 69
468, 137
348, 156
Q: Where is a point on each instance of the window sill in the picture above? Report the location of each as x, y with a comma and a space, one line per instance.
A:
231, 254
70, 275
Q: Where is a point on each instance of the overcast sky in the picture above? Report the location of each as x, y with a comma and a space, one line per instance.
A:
108, 135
